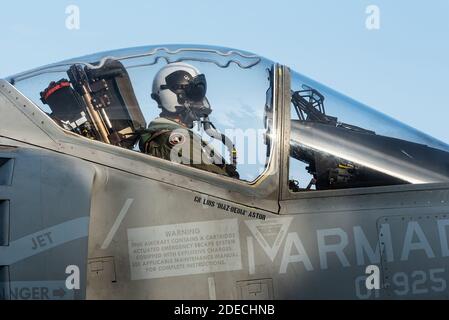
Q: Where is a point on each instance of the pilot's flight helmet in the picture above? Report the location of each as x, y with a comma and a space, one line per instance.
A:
180, 89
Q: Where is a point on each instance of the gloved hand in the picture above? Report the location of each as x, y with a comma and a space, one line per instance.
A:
231, 170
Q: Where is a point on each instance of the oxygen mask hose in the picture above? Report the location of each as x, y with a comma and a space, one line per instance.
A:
211, 131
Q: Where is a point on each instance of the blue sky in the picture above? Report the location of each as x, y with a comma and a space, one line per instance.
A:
401, 69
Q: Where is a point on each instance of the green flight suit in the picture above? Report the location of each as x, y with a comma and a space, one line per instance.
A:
169, 140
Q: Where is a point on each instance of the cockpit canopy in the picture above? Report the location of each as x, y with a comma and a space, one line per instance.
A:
335, 142
108, 97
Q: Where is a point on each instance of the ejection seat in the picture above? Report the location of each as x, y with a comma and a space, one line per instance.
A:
98, 103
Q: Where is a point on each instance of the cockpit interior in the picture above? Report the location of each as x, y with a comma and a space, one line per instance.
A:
335, 142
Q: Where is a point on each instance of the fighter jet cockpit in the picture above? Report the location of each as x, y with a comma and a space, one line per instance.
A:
213, 109
153, 99
339, 143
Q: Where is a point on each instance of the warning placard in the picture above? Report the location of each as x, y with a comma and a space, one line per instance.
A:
184, 249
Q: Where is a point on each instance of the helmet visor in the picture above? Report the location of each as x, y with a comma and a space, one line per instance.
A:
197, 88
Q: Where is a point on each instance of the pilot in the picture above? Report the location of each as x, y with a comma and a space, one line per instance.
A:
180, 91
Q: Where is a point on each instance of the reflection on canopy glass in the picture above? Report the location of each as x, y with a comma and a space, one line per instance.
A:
338, 143
169, 102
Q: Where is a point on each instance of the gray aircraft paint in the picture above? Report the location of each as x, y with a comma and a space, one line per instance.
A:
295, 247
43, 240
